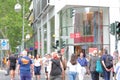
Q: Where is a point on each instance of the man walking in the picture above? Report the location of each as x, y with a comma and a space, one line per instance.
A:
25, 66
107, 69
12, 65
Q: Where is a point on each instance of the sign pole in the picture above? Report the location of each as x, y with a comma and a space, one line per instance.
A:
1, 58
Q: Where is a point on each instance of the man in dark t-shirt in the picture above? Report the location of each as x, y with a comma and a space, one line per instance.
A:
12, 65
106, 70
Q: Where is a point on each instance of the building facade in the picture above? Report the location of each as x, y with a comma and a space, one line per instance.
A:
75, 24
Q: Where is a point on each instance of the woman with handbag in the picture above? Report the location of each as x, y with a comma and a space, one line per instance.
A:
92, 66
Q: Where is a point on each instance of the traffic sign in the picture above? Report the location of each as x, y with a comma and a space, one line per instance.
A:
4, 44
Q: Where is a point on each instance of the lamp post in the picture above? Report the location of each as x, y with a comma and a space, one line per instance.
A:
17, 9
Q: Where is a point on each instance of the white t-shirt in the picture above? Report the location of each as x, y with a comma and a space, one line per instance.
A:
37, 62
71, 67
44, 60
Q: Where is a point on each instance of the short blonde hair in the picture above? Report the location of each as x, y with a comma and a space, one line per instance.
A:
94, 52
24, 53
55, 55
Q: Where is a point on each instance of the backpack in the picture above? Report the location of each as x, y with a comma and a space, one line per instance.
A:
56, 68
99, 66
109, 61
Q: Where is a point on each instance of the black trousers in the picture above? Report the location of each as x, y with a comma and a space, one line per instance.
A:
94, 75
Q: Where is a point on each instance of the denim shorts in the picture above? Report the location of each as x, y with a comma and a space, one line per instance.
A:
37, 70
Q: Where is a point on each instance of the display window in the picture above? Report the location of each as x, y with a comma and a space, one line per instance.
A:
86, 28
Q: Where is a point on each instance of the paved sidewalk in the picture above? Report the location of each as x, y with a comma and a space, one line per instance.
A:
87, 77
3, 77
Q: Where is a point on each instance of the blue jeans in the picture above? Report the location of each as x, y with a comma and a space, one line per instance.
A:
106, 75
72, 75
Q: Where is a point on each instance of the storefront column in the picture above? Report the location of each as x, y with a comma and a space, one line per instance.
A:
42, 39
48, 34
57, 27
38, 38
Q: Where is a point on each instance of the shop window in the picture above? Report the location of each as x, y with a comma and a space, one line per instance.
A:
45, 38
89, 25
87, 28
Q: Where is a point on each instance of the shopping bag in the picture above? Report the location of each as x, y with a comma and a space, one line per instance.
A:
99, 66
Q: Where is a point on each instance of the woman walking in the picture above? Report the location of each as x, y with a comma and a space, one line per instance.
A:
37, 67
92, 66
72, 67
83, 66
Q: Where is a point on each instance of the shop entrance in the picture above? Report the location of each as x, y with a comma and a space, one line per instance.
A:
87, 49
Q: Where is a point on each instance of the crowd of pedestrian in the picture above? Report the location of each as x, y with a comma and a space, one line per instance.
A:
55, 66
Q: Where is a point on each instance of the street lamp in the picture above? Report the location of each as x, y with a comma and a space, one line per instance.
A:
28, 36
17, 9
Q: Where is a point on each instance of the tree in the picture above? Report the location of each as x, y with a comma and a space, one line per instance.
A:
11, 22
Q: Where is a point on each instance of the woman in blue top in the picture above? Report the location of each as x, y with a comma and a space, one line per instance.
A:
83, 69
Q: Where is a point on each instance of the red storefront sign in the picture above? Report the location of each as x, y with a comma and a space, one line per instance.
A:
84, 39
74, 35
36, 45
77, 35
71, 35
91, 50
78, 38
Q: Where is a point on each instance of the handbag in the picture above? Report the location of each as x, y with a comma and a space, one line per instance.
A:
99, 66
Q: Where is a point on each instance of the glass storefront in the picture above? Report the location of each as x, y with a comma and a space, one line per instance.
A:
52, 34
86, 28
45, 38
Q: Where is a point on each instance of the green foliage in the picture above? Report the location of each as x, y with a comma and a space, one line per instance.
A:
11, 21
